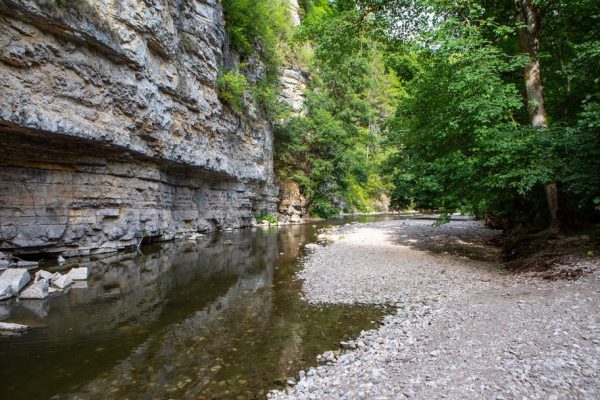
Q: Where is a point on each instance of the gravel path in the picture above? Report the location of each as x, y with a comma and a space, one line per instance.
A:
463, 329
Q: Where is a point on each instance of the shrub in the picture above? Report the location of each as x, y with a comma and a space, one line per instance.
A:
233, 88
270, 218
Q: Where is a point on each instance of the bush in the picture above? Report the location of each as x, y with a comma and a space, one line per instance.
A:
233, 88
270, 218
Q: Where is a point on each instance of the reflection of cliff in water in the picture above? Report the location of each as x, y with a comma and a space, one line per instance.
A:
157, 304
180, 359
202, 320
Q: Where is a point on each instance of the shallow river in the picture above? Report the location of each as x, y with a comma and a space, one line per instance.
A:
182, 320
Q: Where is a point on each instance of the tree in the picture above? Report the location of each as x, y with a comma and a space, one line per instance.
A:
528, 16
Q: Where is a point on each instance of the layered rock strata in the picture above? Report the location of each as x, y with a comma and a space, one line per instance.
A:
111, 130
293, 206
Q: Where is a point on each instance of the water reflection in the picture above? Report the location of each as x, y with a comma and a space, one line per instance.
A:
183, 320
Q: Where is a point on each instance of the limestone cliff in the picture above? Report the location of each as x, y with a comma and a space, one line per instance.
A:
111, 129
293, 206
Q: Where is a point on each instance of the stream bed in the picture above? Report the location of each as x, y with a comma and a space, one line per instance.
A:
220, 318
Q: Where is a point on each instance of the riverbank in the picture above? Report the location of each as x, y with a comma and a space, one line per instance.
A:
464, 327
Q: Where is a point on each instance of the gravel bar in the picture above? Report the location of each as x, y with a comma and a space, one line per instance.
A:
463, 328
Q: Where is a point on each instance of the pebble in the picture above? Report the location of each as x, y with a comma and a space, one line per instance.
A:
462, 328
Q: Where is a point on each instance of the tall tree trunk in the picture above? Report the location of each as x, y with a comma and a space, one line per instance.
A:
528, 16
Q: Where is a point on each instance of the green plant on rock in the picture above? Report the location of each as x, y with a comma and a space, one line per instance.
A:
270, 218
261, 26
233, 88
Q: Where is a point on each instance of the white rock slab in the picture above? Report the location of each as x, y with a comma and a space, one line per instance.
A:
78, 274
61, 281
28, 264
37, 290
17, 278
43, 275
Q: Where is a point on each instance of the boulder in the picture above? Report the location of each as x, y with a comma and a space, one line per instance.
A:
4, 264
43, 275
6, 291
16, 278
78, 274
61, 260
61, 281
37, 290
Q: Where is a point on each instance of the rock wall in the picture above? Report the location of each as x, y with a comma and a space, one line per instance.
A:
111, 129
293, 206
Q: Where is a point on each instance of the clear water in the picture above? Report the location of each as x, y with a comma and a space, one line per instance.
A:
183, 320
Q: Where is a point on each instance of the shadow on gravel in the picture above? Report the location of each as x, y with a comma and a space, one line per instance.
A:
453, 239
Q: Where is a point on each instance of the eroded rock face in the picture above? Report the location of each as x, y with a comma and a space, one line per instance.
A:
292, 203
111, 129
293, 85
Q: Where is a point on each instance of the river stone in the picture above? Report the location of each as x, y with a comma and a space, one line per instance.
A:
61, 260
16, 278
6, 291
61, 281
37, 290
41, 274
78, 274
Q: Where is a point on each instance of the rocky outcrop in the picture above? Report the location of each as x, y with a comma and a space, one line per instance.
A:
293, 85
292, 204
111, 129
293, 77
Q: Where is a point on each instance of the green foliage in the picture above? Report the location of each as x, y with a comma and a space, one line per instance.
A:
262, 28
266, 93
270, 218
578, 148
262, 25
233, 88
335, 150
462, 136
425, 100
